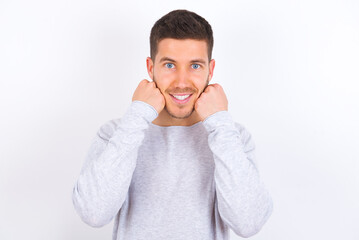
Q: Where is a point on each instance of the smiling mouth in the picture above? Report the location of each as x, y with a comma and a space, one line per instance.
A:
181, 98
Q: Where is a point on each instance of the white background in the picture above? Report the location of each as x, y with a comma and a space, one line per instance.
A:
290, 70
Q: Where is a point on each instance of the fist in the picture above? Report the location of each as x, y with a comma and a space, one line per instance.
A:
212, 100
148, 92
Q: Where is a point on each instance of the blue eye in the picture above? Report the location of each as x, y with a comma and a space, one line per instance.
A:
170, 65
195, 66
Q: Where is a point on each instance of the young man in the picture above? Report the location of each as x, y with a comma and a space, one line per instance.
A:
175, 166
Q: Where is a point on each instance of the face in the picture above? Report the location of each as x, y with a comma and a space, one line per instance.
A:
181, 71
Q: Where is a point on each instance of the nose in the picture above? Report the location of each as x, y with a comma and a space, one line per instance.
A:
183, 78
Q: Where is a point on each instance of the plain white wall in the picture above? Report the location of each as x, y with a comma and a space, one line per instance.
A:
289, 69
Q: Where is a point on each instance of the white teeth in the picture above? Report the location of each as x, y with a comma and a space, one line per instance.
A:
181, 97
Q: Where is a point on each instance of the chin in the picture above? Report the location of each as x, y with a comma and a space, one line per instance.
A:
180, 114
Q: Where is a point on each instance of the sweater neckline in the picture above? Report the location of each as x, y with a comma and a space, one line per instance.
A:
176, 126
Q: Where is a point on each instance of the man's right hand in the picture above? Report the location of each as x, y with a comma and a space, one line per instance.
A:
148, 92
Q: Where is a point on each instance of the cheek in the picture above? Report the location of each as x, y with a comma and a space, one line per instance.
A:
162, 80
201, 82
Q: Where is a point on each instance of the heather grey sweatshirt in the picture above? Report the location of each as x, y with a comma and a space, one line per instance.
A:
172, 183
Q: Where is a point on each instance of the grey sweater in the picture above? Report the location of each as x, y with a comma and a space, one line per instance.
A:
172, 183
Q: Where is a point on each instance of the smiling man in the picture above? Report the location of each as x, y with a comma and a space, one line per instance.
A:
181, 69
175, 166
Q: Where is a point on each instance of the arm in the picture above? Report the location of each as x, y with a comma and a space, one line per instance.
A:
244, 203
106, 175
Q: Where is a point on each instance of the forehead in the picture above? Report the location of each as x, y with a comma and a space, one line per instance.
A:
182, 49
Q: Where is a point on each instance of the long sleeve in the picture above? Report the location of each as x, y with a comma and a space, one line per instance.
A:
243, 201
103, 184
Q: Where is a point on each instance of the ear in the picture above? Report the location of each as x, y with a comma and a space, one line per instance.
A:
212, 63
149, 64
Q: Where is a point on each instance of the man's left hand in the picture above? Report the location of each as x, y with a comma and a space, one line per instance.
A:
212, 100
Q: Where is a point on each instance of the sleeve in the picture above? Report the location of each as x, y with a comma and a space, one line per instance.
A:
244, 203
105, 177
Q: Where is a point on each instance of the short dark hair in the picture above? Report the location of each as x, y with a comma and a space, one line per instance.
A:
181, 24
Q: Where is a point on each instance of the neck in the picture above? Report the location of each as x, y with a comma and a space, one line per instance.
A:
164, 119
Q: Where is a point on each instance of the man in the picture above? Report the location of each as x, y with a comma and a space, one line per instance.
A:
175, 166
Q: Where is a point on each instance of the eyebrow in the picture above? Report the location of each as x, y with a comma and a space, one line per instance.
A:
192, 61
166, 59
198, 61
